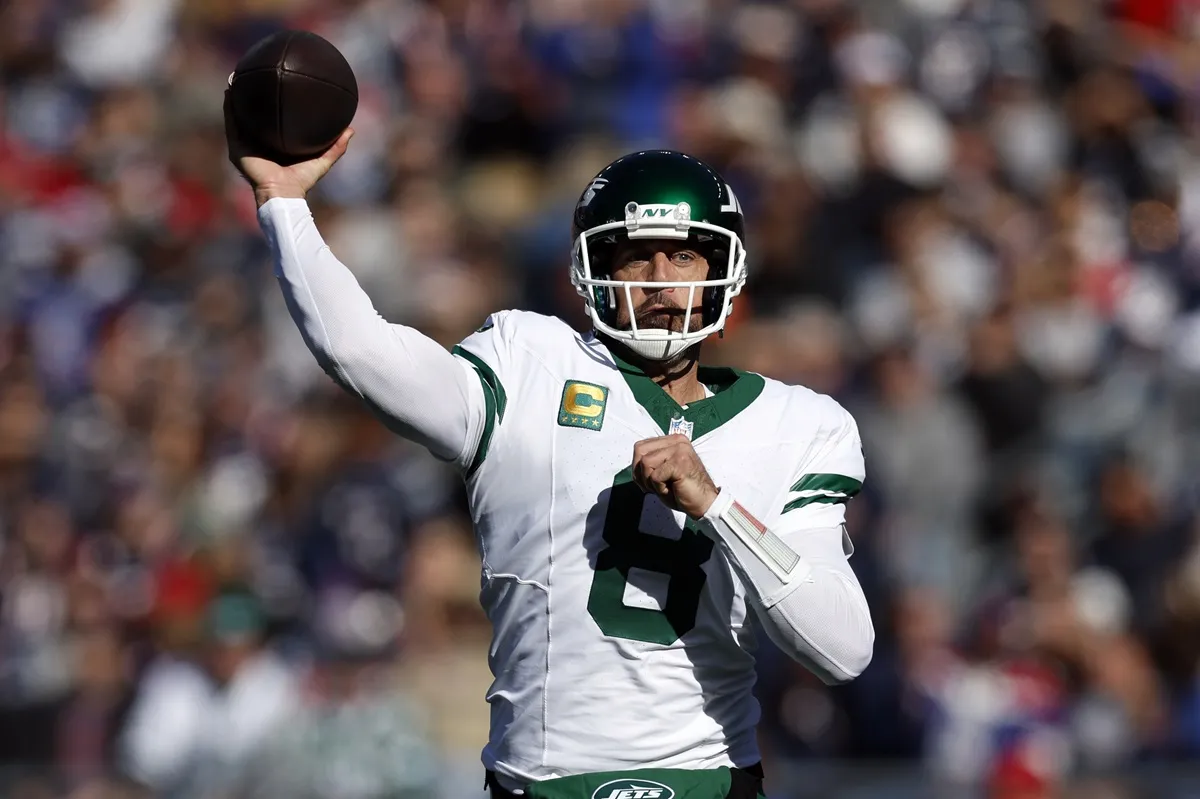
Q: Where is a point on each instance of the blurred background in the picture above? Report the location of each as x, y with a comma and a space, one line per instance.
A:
976, 223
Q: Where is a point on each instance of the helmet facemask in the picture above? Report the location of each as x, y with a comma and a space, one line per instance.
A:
591, 265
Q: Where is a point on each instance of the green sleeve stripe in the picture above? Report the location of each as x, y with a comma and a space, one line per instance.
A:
489, 425
495, 401
815, 499
489, 378
832, 483
823, 489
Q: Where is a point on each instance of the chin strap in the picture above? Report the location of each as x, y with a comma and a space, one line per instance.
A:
623, 347
662, 351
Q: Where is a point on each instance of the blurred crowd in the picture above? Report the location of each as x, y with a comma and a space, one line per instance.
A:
974, 222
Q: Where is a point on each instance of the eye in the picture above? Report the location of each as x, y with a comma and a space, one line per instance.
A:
636, 259
685, 257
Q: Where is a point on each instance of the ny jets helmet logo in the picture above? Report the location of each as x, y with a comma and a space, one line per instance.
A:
592, 188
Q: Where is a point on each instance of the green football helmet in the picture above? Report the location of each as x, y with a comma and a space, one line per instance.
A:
658, 194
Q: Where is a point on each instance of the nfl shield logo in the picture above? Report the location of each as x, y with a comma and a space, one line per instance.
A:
681, 426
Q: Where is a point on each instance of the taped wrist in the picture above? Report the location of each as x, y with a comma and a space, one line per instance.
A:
769, 567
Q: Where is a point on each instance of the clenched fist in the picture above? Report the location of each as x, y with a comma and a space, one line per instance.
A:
669, 468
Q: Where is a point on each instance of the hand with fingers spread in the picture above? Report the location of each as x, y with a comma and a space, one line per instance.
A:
669, 468
270, 179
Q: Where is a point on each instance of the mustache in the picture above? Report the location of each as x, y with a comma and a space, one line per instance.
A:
667, 316
665, 306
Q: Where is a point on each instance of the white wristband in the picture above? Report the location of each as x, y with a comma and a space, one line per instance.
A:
719, 506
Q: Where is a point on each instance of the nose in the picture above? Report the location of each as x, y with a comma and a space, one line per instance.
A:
662, 270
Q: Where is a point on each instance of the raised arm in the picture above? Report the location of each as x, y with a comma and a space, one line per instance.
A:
415, 386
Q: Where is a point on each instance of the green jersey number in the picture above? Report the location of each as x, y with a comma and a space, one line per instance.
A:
682, 560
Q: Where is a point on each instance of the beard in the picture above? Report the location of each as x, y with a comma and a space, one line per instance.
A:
668, 318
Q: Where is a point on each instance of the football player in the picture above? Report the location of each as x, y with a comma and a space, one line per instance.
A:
632, 507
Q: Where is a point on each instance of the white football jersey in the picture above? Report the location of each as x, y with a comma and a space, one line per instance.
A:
621, 635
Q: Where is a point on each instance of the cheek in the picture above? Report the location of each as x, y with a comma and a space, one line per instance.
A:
635, 293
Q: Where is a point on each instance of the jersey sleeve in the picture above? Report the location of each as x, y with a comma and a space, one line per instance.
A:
488, 355
410, 382
829, 476
795, 568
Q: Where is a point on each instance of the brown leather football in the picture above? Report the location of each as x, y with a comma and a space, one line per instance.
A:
292, 95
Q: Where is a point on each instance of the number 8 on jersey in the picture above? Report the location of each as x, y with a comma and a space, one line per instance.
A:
682, 560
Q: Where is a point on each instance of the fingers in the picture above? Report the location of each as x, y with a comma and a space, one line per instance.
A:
660, 448
648, 445
662, 476
233, 141
658, 462
335, 152
669, 468
646, 467
657, 478
657, 481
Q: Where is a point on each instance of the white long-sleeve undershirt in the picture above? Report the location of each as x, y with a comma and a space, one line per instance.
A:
425, 394
818, 615
417, 388
825, 622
